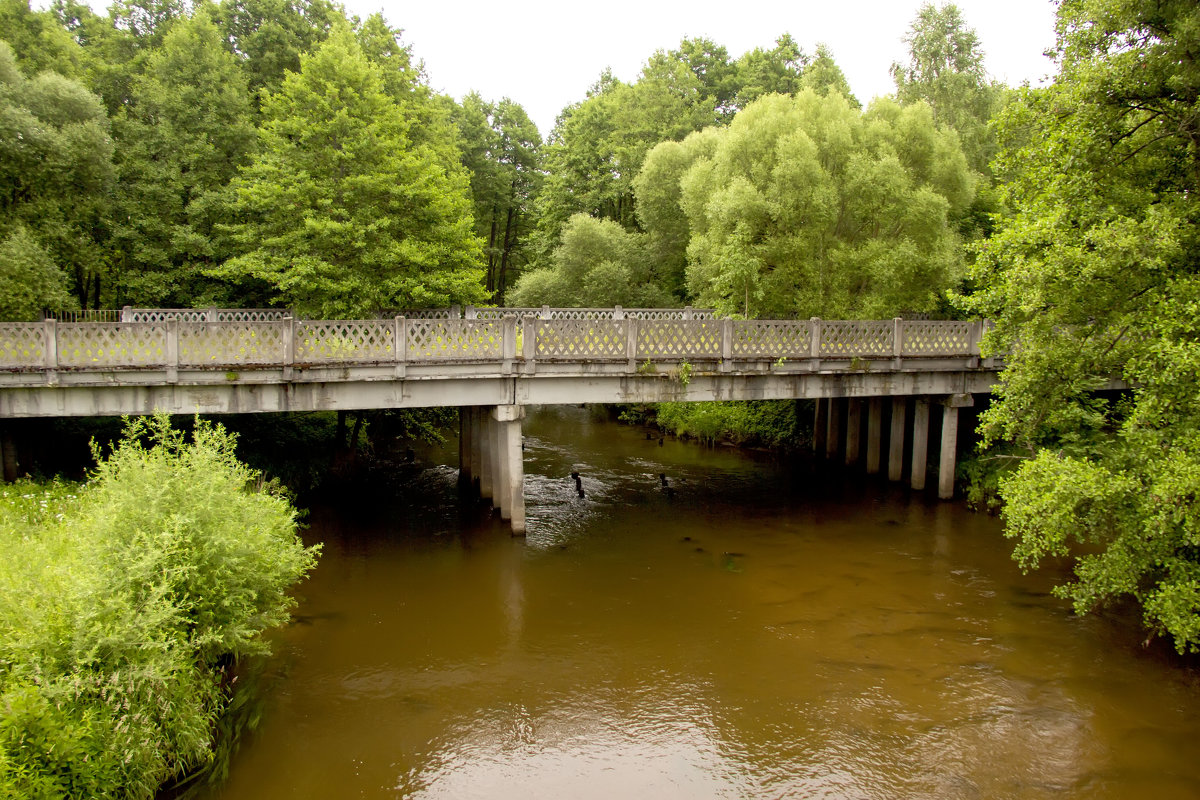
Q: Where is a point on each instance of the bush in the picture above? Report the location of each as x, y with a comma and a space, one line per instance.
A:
122, 604
771, 423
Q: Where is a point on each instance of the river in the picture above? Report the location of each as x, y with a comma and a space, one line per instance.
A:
761, 630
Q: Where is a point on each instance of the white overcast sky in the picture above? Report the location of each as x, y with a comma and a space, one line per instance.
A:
544, 54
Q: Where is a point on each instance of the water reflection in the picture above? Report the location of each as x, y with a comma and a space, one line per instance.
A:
764, 631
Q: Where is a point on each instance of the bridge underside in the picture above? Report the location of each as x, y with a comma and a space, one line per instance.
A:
94, 394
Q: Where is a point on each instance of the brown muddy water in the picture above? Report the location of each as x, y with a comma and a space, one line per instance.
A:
769, 630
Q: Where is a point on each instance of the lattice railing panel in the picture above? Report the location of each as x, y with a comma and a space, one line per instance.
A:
22, 344
252, 314
453, 338
930, 338
345, 340
209, 344
501, 313
679, 338
851, 339
771, 339
583, 338
430, 313
167, 314
111, 344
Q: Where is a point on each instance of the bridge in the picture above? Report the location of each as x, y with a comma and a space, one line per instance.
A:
493, 362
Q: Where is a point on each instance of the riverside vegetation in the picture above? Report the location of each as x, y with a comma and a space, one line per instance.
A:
128, 602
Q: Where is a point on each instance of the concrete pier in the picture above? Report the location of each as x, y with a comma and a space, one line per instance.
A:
920, 444
874, 433
896, 439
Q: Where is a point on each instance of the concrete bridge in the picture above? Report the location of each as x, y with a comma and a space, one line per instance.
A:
493, 362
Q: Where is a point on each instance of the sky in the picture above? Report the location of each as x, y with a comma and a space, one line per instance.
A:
544, 54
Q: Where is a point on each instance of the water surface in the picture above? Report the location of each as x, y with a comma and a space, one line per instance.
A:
763, 630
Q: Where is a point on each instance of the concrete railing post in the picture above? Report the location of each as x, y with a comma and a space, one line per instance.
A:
50, 352
897, 341
127, 314
210, 315
544, 313
455, 312
631, 342
469, 312
726, 345
508, 342
400, 338
618, 312
172, 350
814, 326
688, 313
288, 357
529, 331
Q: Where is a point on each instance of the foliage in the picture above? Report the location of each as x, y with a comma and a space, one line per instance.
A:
183, 138
502, 151
599, 263
946, 71
55, 168
807, 206
29, 281
346, 215
770, 423
1092, 277
122, 602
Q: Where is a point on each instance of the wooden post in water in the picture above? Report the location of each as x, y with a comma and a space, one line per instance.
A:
853, 430
874, 433
920, 446
896, 439
946, 463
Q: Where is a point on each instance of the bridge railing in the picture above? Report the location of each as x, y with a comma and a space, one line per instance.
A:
180, 342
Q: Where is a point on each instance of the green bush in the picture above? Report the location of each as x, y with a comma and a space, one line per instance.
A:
771, 423
122, 604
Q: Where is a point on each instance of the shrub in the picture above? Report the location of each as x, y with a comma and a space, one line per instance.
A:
122, 603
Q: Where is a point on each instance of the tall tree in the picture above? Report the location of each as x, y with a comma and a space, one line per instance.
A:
269, 36
946, 70
823, 76
502, 151
38, 40
1096, 276
808, 206
55, 171
183, 138
345, 214
776, 71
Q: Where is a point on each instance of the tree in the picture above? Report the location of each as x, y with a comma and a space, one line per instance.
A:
344, 214
599, 263
29, 281
55, 170
823, 76
39, 41
776, 71
808, 206
1094, 276
269, 36
183, 138
946, 71
502, 151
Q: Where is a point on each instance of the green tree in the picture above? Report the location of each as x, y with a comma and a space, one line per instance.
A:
29, 280
776, 71
946, 70
345, 215
502, 150
808, 206
39, 41
1094, 276
269, 36
823, 75
55, 170
183, 138
599, 263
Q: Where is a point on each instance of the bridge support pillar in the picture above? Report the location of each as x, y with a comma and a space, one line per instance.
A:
466, 467
874, 433
510, 490
8, 452
920, 445
820, 412
833, 427
896, 439
487, 444
853, 430
950, 442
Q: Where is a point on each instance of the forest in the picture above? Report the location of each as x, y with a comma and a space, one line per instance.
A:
254, 153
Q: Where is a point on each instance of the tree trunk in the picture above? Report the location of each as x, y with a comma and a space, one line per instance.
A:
509, 243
